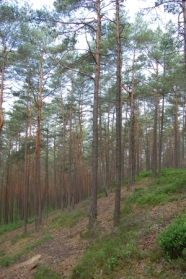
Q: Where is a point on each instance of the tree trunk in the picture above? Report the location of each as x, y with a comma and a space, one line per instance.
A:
161, 136
154, 149
118, 118
94, 177
26, 173
37, 186
176, 132
4, 56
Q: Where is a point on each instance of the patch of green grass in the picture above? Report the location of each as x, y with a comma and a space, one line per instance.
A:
126, 209
164, 189
145, 174
100, 195
30, 220
13, 226
138, 192
68, 219
10, 227
6, 261
43, 272
155, 199
105, 256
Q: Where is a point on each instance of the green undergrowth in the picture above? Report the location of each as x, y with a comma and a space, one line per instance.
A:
169, 187
106, 255
19, 223
10, 227
13, 226
43, 272
8, 260
117, 255
68, 219
173, 239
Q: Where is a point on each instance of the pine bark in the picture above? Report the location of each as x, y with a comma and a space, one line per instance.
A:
94, 176
118, 118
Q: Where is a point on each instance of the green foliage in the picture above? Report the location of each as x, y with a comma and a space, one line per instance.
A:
43, 272
160, 191
173, 239
145, 174
155, 199
100, 195
137, 193
13, 226
102, 256
106, 255
30, 221
68, 219
5, 261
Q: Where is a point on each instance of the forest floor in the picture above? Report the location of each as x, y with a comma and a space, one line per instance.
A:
59, 247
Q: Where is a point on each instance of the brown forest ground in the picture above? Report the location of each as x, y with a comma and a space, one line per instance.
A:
67, 246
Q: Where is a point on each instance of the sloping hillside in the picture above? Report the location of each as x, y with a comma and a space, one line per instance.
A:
65, 248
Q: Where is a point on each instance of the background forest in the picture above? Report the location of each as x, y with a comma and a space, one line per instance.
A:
87, 100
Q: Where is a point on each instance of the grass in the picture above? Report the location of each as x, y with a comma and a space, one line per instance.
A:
106, 255
43, 272
13, 226
10, 227
161, 190
119, 253
68, 219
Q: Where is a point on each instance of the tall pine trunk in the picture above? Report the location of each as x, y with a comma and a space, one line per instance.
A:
118, 118
94, 176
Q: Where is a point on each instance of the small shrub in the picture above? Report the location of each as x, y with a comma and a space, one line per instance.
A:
126, 209
145, 174
5, 261
173, 239
152, 199
138, 192
110, 264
